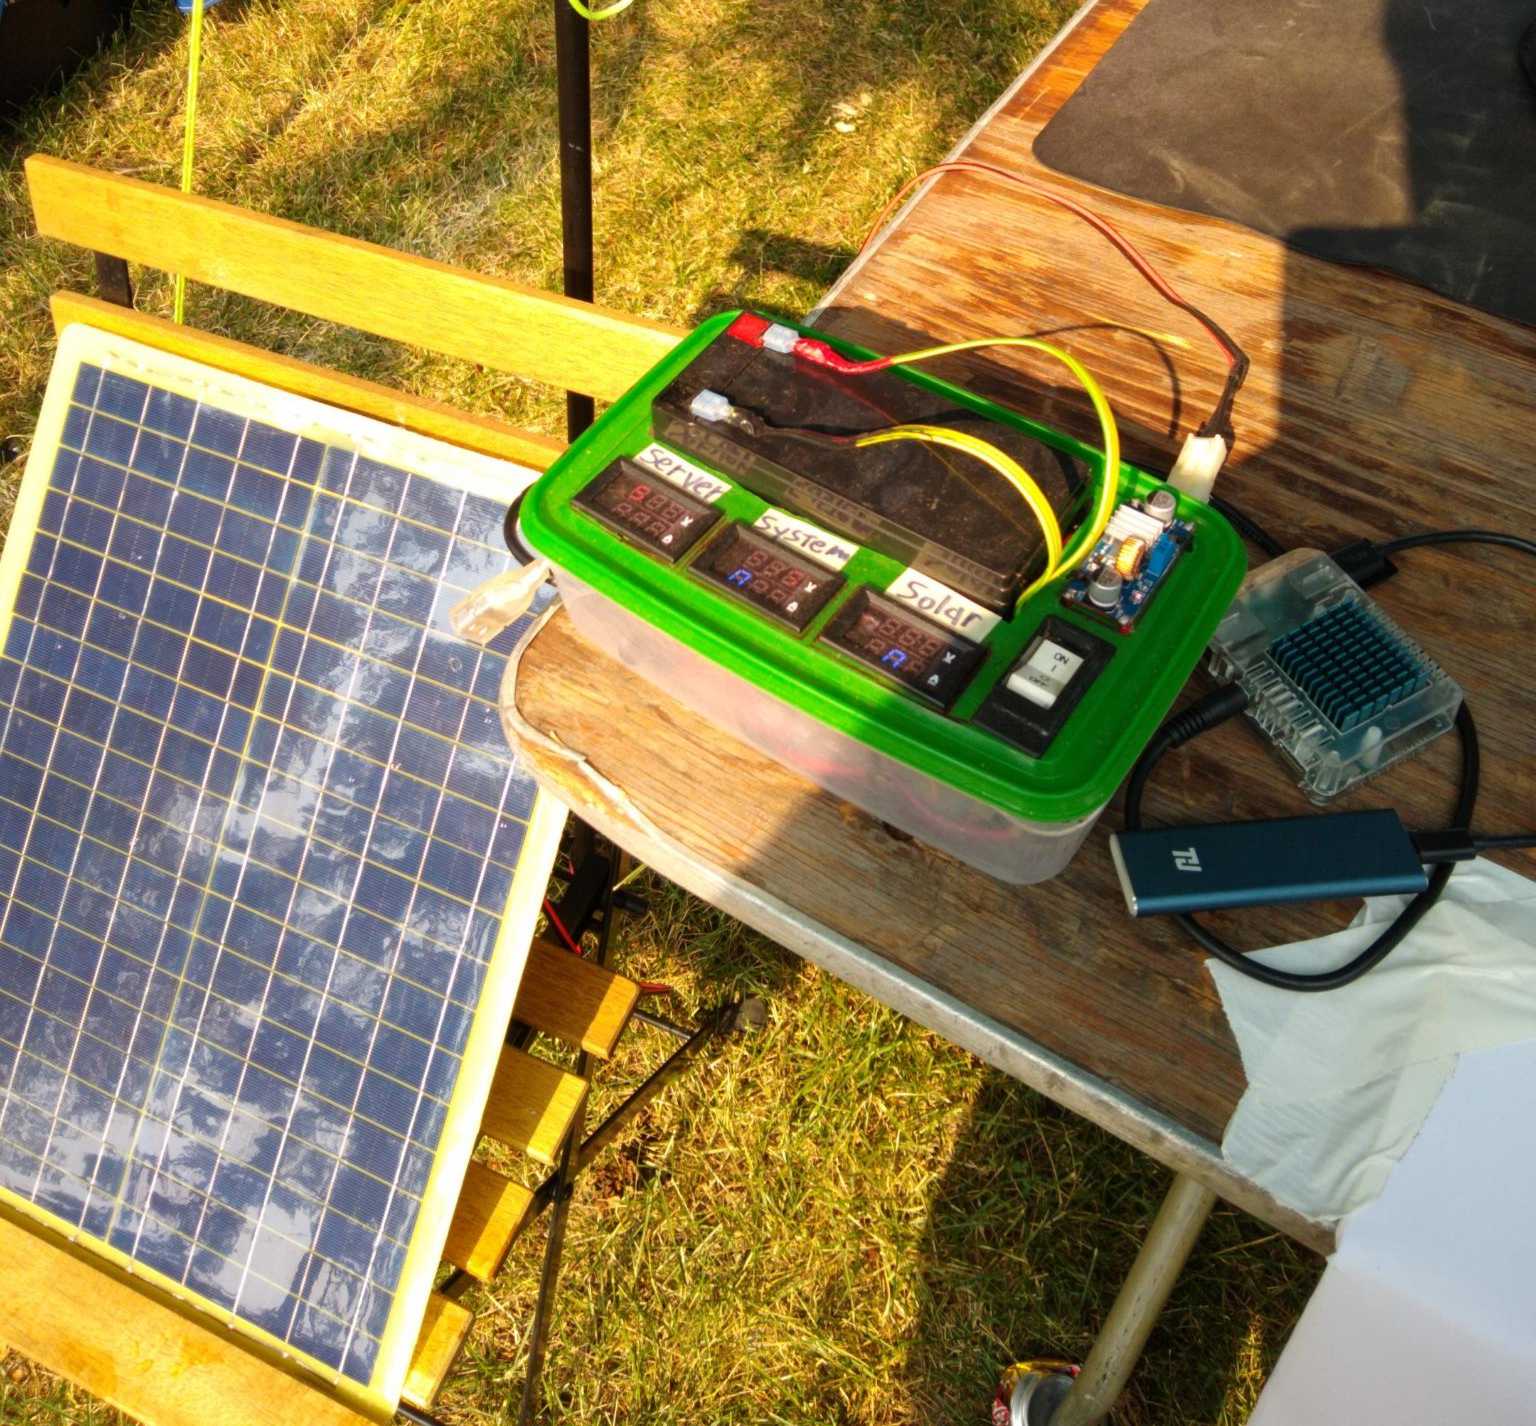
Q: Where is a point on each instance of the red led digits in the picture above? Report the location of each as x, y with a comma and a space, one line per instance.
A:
751, 567
903, 647
666, 522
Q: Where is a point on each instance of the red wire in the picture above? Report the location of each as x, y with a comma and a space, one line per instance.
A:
1103, 226
647, 987
559, 925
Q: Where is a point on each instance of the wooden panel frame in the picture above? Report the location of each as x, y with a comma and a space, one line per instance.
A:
138, 1353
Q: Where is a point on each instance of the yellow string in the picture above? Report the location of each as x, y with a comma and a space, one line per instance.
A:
194, 68
999, 460
1109, 485
607, 12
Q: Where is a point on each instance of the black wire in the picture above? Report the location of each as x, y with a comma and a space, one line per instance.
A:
1247, 526
1219, 423
1459, 537
1226, 702
1167, 737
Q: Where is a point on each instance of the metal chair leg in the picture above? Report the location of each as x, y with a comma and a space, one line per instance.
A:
1120, 1342
549, 1276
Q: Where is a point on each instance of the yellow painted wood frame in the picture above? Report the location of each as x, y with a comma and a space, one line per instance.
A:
489, 320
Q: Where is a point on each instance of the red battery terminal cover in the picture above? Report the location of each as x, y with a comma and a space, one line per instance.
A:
751, 329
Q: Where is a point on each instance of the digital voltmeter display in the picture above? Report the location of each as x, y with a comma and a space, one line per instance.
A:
904, 647
768, 576
646, 508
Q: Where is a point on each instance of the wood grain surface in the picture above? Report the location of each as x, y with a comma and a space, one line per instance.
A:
1374, 407
384, 403
490, 1213
574, 1000
444, 1330
137, 1352
411, 299
532, 1105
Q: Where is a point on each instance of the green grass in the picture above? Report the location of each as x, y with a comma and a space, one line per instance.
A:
843, 1218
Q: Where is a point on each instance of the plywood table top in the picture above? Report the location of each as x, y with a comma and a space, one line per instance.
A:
1373, 408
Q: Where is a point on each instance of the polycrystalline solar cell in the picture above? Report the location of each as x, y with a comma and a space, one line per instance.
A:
258, 828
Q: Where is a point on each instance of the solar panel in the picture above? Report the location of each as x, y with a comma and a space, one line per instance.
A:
269, 868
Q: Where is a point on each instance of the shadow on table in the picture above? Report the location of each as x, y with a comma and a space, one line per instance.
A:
1039, 1215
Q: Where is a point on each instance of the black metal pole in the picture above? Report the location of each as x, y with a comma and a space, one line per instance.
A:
573, 70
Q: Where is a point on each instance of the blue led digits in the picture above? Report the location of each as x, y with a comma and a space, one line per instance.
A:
767, 576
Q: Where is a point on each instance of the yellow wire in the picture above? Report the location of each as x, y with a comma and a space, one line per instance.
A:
194, 68
1109, 485
1000, 461
607, 12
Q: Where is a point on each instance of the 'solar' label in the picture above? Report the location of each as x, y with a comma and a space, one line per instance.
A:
941, 604
827, 549
686, 476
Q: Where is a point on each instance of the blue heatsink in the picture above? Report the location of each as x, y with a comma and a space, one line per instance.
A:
1349, 666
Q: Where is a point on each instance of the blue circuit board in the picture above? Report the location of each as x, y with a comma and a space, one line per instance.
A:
1143, 570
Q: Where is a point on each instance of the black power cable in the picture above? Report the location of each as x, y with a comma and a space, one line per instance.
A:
1214, 710
1458, 537
1518, 842
1362, 556
1247, 526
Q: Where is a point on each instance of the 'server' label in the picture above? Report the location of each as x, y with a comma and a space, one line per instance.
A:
672, 468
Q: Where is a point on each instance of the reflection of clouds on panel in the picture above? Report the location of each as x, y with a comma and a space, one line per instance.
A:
269, 924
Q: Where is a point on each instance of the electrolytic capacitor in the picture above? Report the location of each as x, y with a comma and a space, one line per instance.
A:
1160, 505
1104, 592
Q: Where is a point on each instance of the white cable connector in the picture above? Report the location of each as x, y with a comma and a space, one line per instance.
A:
498, 603
1198, 465
779, 338
710, 406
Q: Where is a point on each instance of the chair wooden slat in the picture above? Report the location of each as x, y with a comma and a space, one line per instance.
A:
532, 1105
574, 1000
415, 413
412, 299
490, 1214
443, 1332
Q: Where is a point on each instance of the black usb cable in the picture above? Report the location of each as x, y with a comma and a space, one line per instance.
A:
1301, 858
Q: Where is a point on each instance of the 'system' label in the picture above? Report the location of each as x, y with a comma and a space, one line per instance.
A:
827, 549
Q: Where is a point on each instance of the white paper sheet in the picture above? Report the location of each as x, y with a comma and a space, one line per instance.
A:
1426, 1314
1339, 1082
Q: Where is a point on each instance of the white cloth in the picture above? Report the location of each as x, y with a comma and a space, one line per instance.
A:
1339, 1082
1427, 1311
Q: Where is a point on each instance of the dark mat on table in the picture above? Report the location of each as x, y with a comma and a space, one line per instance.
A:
1395, 133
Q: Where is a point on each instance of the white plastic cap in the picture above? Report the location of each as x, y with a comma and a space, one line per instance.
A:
710, 406
498, 603
779, 338
1198, 465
